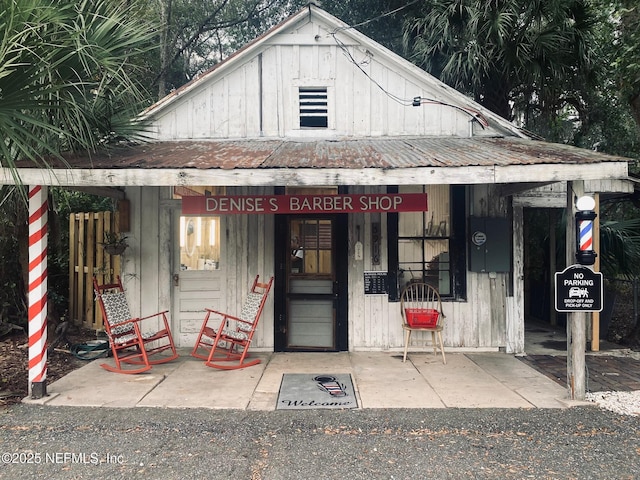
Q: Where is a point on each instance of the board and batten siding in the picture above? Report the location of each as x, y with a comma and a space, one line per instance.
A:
489, 319
147, 256
370, 325
259, 97
250, 252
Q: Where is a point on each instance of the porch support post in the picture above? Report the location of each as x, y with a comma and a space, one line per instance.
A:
595, 316
38, 218
576, 321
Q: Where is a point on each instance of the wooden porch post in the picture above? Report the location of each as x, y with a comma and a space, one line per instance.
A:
595, 316
38, 283
576, 321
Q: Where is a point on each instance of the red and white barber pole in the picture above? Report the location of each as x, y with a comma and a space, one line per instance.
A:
585, 255
38, 218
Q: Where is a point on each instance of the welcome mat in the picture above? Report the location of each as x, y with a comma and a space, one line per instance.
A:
299, 391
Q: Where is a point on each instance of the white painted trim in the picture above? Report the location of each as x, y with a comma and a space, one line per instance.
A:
314, 176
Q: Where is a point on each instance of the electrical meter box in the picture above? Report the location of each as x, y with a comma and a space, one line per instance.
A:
489, 244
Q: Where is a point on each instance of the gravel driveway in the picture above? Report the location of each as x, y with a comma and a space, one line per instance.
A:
89, 443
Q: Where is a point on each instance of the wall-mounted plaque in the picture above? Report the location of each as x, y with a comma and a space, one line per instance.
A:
375, 283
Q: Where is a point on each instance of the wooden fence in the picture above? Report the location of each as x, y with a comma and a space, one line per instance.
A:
88, 259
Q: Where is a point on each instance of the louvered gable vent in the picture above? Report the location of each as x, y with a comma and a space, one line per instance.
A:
313, 107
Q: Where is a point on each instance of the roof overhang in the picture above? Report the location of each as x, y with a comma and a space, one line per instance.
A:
128, 177
370, 161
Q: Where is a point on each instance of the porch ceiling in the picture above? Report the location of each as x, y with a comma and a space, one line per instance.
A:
386, 161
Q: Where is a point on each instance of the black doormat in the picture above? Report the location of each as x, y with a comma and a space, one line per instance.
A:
300, 391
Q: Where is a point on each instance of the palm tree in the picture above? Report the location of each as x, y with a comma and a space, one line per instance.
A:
67, 79
620, 247
67, 83
501, 51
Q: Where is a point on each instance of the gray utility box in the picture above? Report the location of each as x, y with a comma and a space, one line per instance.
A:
489, 244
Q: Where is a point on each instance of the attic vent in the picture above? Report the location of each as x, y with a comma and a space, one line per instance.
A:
313, 107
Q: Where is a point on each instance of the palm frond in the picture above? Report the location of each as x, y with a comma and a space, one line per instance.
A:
620, 247
60, 63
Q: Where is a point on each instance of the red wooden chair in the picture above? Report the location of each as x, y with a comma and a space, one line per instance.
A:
229, 340
421, 310
130, 344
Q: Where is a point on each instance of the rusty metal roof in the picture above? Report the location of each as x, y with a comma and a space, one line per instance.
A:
380, 153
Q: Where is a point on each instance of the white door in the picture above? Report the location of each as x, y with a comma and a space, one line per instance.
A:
198, 274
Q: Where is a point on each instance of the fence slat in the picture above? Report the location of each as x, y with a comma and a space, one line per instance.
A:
86, 259
73, 252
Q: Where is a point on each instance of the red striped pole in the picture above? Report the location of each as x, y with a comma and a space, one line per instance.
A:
586, 235
38, 218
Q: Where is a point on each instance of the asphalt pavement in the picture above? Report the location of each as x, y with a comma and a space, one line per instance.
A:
582, 442
456, 440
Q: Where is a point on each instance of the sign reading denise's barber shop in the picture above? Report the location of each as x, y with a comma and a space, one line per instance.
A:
303, 204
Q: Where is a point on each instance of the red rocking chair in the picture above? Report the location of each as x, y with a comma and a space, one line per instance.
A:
230, 342
131, 345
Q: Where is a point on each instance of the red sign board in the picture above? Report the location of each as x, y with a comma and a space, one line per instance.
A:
304, 204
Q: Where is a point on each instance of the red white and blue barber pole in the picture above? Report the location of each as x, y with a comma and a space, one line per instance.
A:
38, 219
584, 231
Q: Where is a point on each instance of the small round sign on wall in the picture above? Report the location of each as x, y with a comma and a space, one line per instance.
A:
479, 238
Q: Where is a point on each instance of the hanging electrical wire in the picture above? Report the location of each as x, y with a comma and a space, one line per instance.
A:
346, 51
475, 114
416, 101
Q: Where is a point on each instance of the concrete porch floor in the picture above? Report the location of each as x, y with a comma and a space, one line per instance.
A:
381, 380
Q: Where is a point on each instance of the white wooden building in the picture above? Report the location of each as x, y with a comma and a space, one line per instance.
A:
314, 108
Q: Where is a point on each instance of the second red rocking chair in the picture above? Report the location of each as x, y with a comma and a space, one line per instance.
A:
226, 344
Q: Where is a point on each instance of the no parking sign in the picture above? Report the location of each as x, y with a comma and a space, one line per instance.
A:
578, 289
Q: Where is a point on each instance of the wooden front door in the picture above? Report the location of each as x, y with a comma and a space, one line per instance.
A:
198, 274
311, 284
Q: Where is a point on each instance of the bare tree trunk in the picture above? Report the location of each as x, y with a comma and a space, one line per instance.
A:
165, 18
629, 25
635, 107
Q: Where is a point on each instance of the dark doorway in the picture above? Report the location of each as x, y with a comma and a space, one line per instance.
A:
543, 256
311, 283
